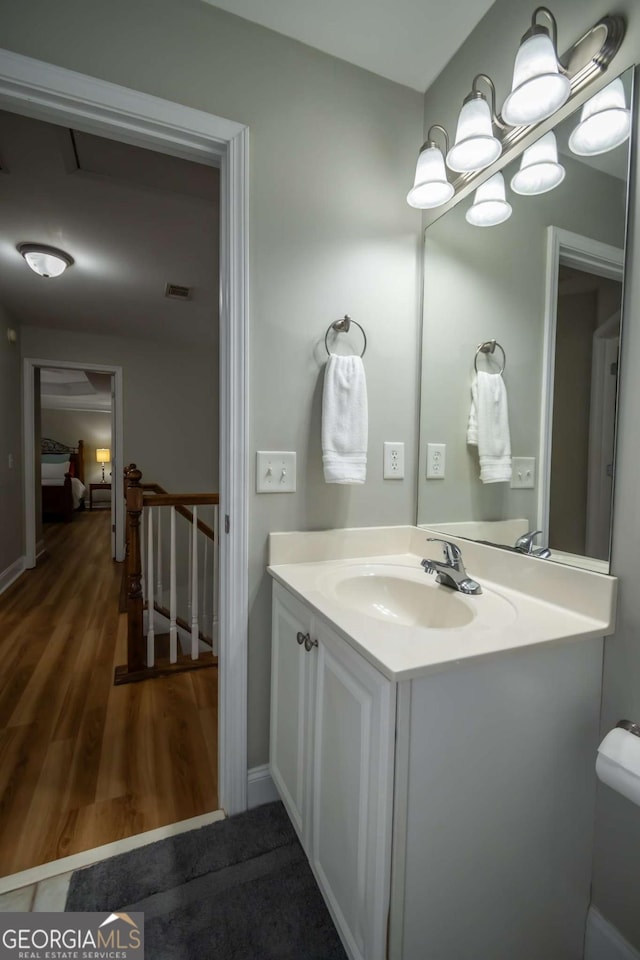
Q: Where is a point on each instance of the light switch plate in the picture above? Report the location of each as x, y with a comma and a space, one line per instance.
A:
523, 473
275, 471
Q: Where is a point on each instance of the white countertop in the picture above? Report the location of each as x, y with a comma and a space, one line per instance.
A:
526, 601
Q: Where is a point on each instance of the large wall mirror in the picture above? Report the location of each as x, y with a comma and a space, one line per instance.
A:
546, 285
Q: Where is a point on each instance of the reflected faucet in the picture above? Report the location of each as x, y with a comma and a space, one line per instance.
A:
524, 544
451, 573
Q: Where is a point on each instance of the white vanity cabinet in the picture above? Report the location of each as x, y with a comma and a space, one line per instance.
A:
332, 744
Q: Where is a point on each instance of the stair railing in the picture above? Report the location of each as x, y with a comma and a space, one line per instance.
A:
188, 642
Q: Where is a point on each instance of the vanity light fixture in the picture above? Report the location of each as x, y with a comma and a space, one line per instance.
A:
543, 82
539, 171
475, 145
45, 261
489, 206
430, 186
539, 86
605, 122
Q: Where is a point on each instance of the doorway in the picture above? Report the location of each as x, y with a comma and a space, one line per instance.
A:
61, 96
577, 424
31, 422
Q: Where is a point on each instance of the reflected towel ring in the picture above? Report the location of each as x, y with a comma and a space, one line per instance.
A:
342, 326
489, 346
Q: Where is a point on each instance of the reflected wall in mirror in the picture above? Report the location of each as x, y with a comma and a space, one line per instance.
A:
547, 285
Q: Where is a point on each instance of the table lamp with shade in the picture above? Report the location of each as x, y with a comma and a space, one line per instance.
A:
103, 455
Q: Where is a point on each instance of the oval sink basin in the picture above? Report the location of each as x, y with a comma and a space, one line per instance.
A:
398, 599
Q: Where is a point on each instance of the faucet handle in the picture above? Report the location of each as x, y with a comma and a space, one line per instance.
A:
525, 543
452, 553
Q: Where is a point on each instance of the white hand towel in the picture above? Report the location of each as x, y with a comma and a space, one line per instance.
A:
488, 427
344, 421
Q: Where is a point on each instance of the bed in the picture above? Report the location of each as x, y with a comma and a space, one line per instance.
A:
62, 477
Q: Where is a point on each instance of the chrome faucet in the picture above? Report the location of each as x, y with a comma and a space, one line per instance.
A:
524, 544
451, 573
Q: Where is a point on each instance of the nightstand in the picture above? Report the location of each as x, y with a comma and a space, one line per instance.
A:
98, 486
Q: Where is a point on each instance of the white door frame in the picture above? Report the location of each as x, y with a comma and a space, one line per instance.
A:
56, 95
29, 452
589, 255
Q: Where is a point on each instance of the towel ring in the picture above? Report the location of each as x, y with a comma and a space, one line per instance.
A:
489, 346
342, 326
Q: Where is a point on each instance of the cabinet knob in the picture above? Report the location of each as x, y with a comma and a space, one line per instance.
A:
302, 638
309, 644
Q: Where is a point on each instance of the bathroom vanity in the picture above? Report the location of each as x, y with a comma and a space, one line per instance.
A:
435, 752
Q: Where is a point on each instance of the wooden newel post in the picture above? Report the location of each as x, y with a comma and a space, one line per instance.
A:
135, 610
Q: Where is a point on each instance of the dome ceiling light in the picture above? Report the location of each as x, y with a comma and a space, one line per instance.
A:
45, 261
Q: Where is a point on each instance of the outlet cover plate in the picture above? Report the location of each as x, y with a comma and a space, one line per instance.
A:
523, 473
275, 471
436, 461
393, 460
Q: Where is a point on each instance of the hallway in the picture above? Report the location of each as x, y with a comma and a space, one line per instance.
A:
83, 763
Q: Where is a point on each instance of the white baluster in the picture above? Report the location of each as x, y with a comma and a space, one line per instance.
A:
216, 555
205, 585
159, 572
150, 597
173, 603
143, 558
189, 576
194, 587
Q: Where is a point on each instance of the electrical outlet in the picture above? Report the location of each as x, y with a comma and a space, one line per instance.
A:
523, 473
436, 460
275, 471
393, 467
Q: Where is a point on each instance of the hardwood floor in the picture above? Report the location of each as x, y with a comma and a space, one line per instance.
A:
82, 762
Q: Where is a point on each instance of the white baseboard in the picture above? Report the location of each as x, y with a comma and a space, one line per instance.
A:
260, 786
11, 574
604, 942
40, 549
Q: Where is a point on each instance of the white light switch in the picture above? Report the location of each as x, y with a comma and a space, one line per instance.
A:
275, 471
523, 473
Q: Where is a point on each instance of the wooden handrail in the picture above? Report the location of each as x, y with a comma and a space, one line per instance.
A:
177, 500
138, 496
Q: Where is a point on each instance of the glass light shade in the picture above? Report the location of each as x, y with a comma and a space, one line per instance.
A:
430, 187
45, 264
103, 455
489, 205
539, 171
475, 146
45, 261
605, 122
538, 88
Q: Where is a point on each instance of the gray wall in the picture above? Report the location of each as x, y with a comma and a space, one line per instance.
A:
11, 540
491, 47
92, 426
333, 151
481, 284
170, 401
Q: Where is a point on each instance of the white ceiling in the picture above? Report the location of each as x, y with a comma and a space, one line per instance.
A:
409, 41
132, 219
66, 389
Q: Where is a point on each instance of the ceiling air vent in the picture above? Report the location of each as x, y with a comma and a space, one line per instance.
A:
175, 292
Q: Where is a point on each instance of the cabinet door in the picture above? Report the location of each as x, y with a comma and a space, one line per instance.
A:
290, 664
351, 802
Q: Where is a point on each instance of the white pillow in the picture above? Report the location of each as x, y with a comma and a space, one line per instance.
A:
55, 471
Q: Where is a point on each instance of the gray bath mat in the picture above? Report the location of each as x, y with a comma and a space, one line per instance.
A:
240, 889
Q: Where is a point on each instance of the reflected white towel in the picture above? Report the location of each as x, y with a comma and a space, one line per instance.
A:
344, 421
488, 427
